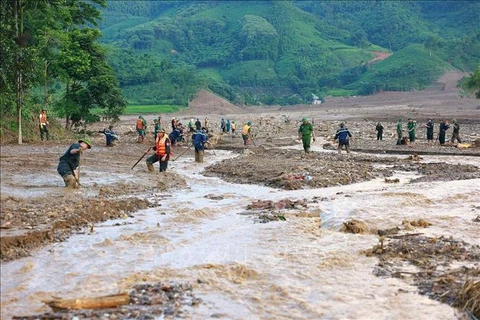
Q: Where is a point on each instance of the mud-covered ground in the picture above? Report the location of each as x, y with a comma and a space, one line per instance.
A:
37, 210
34, 202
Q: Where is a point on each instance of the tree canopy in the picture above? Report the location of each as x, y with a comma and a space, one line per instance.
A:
54, 44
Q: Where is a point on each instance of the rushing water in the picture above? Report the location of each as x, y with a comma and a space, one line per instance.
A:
293, 269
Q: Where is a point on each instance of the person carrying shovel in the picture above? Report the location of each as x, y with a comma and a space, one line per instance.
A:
70, 161
306, 133
162, 152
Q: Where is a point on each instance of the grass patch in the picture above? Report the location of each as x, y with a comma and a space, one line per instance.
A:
145, 109
341, 93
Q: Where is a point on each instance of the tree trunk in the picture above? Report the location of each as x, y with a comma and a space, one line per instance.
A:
18, 17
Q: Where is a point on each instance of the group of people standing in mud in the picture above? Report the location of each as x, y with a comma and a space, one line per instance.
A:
412, 127
198, 135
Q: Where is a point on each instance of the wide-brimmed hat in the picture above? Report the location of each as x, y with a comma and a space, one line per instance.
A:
87, 141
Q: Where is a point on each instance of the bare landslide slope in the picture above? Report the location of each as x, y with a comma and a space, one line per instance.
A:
206, 103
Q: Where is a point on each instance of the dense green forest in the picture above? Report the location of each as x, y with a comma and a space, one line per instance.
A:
282, 52
76, 57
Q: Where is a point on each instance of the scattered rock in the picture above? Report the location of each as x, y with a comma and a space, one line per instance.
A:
354, 226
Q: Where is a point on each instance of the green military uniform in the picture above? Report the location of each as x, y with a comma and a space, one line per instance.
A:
306, 132
158, 128
399, 131
411, 125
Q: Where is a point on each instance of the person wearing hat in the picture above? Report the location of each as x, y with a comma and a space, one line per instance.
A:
43, 122
456, 132
306, 133
157, 128
343, 135
162, 153
246, 133
429, 126
141, 128
70, 161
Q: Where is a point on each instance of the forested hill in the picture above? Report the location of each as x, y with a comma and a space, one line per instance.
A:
282, 52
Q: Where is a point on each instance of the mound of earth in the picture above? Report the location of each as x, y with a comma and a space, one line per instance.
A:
206, 102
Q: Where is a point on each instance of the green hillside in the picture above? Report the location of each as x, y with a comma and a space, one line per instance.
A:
270, 51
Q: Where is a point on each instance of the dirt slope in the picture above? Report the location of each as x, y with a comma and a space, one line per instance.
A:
206, 102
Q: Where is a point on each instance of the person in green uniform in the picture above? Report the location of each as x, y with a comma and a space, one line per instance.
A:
412, 127
306, 133
399, 131
158, 127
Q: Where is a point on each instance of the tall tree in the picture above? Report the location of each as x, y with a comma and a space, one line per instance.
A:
471, 85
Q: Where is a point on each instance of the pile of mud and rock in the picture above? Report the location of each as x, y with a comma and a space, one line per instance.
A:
446, 269
292, 170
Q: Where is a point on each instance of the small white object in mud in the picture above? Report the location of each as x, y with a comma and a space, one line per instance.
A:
308, 178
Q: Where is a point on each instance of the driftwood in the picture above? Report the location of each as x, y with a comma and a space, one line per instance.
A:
110, 301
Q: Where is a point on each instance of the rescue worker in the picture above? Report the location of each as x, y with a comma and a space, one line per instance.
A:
199, 139
247, 133
222, 125
43, 122
175, 136
379, 129
456, 132
198, 124
306, 133
162, 153
343, 135
227, 126
110, 136
157, 128
429, 125
141, 128
412, 127
234, 126
174, 123
399, 131
191, 126
443, 130
206, 123
69, 162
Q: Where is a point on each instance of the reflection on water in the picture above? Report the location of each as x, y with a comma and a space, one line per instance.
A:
292, 269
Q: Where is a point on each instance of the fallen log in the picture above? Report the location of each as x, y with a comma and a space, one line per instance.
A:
110, 301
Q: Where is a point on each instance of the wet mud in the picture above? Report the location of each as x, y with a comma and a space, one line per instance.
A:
435, 274
306, 220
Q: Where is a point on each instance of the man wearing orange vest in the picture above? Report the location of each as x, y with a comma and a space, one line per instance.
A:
141, 128
42, 121
162, 152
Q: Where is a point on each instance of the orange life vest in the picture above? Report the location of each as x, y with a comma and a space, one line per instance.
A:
162, 145
43, 118
140, 124
246, 129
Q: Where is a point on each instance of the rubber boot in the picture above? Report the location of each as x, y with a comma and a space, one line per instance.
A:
201, 153
150, 167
